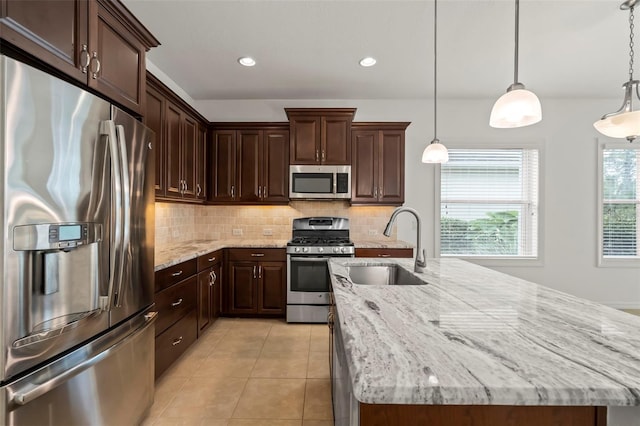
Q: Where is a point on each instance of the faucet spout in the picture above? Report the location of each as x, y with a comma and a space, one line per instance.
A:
420, 262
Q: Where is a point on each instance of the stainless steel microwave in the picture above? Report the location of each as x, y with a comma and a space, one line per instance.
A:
319, 182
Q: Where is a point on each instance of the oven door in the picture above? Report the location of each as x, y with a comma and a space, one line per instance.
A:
308, 280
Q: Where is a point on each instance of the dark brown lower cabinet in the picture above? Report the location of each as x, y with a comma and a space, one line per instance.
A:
384, 252
480, 415
209, 288
174, 341
255, 287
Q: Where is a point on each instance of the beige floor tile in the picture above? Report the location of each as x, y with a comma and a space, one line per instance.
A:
319, 343
184, 367
317, 400
244, 346
227, 367
318, 367
317, 422
281, 365
318, 330
256, 422
271, 399
290, 330
212, 398
286, 344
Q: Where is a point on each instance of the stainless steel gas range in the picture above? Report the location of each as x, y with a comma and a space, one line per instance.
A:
315, 240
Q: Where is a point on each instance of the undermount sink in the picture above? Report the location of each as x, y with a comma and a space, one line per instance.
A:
382, 275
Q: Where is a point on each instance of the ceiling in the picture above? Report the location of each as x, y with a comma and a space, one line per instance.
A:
309, 49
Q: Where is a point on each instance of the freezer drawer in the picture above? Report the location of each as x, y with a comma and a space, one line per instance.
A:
107, 382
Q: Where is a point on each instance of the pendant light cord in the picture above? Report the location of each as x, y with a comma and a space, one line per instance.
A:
515, 65
631, 51
435, 69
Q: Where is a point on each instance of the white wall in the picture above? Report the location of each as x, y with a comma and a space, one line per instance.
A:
569, 215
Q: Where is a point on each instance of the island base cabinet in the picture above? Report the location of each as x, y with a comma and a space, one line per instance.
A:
480, 415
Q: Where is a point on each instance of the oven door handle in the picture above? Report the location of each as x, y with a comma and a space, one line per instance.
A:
310, 259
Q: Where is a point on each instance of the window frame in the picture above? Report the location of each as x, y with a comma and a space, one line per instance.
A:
612, 262
490, 261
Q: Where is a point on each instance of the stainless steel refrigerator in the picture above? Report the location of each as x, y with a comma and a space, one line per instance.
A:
76, 267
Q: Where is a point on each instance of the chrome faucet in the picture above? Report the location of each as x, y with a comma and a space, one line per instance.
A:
420, 263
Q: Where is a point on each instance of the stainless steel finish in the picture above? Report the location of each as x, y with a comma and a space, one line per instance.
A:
383, 275
375, 192
85, 59
214, 276
254, 272
177, 273
177, 341
57, 392
420, 262
211, 259
76, 185
323, 156
257, 254
177, 302
264, 192
94, 59
307, 313
259, 192
259, 271
233, 191
297, 169
198, 189
317, 156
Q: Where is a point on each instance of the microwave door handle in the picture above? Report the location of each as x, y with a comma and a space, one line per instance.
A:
108, 129
126, 203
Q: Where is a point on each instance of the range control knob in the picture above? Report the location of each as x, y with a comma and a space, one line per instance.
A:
320, 249
297, 249
305, 249
336, 249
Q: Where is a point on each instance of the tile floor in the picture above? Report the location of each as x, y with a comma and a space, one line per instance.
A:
249, 372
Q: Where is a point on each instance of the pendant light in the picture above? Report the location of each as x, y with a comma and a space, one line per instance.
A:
624, 123
435, 152
518, 107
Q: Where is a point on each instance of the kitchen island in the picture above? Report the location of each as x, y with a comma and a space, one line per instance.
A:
476, 344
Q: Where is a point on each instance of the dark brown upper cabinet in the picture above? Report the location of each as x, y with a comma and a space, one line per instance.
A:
96, 42
180, 145
320, 135
249, 163
377, 171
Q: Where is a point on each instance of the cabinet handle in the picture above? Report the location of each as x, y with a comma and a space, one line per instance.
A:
380, 193
254, 271
177, 302
233, 191
259, 192
257, 254
177, 274
375, 192
177, 341
323, 156
259, 271
85, 59
317, 155
198, 190
186, 187
212, 259
94, 74
384, 255
211, 279
215, 277
264, 191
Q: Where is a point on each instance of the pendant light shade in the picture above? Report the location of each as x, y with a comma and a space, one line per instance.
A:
624, 123
435, 152
518, 107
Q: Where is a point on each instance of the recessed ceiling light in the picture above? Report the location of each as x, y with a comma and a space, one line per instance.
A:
247, 61
368, 61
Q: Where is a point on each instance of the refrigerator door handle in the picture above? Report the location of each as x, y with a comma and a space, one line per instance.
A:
125, 196
34, 391
108, 129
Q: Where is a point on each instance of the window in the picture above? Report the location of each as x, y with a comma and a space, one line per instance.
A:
489, 203
619, 210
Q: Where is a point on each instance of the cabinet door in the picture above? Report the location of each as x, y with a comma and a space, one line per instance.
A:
222, 158
391, 167
241, 285
272, 284
173, 144
364, 170
121, 74
154, 119
249, 143
200, 160
205, 302
305, 140
336, 137
189, 142
275, 182
217, 291
54, 31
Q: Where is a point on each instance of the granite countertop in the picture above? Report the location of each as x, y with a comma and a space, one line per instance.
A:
477, 336
172, 254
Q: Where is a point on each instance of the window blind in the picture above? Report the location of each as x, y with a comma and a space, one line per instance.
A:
620, 202
489, 203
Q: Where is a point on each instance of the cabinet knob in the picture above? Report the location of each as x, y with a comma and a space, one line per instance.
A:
85, 59
94, 60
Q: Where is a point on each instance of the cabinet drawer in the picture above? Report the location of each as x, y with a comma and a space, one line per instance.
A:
174, 302
174, 341
208, 260
378, 252
174, 274
257, 255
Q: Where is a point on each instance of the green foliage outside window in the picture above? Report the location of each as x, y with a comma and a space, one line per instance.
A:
495, 234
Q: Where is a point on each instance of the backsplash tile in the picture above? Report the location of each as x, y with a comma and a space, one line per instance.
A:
184, 222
